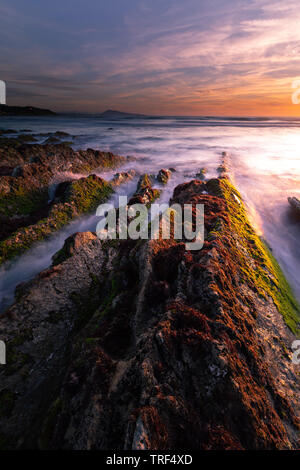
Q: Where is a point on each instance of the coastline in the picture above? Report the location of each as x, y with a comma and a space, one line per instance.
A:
206, 335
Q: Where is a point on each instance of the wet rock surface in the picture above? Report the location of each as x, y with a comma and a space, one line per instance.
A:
164, 175
201, 174
72, 200
123, 177
295, 206
136, 344
28, 172
145, 193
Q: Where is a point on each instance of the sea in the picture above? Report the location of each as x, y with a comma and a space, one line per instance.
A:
263, 160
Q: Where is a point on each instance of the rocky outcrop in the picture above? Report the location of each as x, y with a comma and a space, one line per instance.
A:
28, 211
201, 174
38, 334
123, 177
114, 114
295, 206
75, 198
223, 167
164, 175
27, 187
135, 344
6, 110
145, 193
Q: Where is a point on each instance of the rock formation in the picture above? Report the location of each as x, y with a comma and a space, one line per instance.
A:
30, 171
295, 206
138, 344
6, 110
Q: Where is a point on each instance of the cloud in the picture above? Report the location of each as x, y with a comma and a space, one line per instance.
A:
193, 57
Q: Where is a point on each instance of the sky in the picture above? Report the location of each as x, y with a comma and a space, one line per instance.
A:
168, 57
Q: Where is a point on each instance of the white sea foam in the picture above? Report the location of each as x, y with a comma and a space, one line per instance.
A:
264, 159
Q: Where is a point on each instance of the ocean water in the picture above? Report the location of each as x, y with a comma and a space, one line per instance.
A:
264, 162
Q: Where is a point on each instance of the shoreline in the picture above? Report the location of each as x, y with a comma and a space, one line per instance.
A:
203, 324
222, 319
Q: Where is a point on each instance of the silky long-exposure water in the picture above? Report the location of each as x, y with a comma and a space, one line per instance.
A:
264, 161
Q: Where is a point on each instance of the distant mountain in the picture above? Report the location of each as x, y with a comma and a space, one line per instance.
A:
112, 114
6, 110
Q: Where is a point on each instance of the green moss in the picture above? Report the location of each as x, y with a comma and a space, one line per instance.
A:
257, 264
21, 201
105, 160
283, 297
91, 341
87, 193
83, 196
156, 194
144, 182
285, 351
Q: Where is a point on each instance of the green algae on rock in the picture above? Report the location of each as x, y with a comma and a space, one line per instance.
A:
258, 265
174, 347
81, 196
29, 170
145, 193
163, 176
29, 173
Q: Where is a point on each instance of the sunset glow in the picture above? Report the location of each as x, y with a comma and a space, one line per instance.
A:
192, 58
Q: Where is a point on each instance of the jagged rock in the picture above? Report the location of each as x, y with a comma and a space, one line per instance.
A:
29, 174
145, 193
71, 200
145, 181
17, 171
38, 333
52, 140
73, 245
295, 205
144, 345
26, 138
39, 166
8, 131
164, 175
201, 174
61, 134
124, 177
223, 168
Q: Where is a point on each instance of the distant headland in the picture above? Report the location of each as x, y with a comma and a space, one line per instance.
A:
6, 110
114, 114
